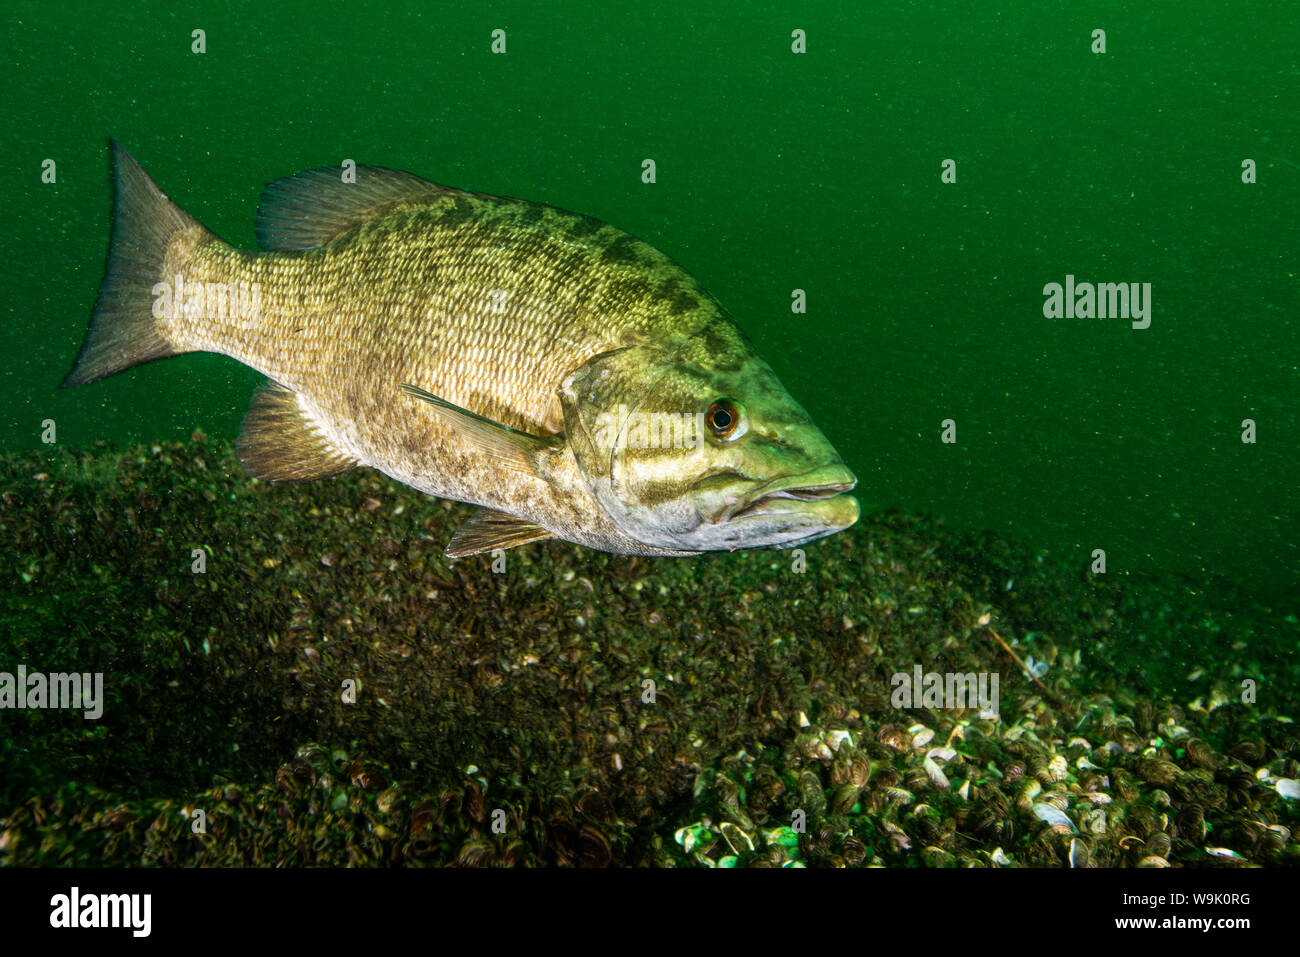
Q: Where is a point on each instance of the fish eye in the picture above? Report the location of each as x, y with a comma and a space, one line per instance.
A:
725, 420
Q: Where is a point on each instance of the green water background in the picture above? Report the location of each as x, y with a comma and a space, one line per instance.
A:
776, 171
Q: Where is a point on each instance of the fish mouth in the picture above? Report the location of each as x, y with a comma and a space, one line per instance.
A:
818, 494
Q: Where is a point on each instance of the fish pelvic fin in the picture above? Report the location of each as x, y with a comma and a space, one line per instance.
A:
123, 329
281, 441
509, 448
489, 530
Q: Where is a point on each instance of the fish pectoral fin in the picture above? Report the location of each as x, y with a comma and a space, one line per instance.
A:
509, 447
281, 442
489, 530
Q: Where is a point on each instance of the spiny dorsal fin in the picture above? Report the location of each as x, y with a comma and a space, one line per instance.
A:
510, 448
314, 208
489, 530
281, 442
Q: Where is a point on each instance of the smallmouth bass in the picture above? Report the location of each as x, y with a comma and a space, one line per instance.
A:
567, 378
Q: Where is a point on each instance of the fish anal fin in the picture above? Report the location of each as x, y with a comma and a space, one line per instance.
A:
314, 208
281, 442
489, 530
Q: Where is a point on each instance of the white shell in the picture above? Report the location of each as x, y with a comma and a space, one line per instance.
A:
836, 738
1052, 815
1224, 852
937, 777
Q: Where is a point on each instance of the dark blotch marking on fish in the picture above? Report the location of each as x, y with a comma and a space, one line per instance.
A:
679, 299
531, 215
622, 250
460, 210
580, 227
721, 348
684, 302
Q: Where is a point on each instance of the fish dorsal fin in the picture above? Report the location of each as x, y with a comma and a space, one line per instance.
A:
281, 442
314, 208
489, 530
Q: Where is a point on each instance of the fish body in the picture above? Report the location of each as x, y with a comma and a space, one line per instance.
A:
566, 377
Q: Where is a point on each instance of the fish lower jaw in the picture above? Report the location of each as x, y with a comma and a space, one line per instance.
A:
823, 484
785, 522
770, 502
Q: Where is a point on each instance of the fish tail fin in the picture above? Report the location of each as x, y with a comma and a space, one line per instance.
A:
124, 331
